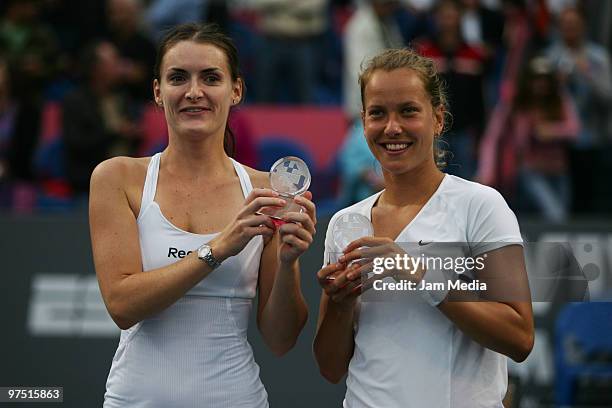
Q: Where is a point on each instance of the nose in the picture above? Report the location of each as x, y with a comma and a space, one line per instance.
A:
195, 92
392, 127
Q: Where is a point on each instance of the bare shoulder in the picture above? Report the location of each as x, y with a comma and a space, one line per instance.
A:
259, 179
120, 171
120, 176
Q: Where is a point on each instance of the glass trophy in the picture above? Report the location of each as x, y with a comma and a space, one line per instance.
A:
346, 229
289, 177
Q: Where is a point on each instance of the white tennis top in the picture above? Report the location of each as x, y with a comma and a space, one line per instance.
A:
407, 353
195, 353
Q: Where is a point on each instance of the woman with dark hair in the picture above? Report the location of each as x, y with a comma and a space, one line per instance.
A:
180, 251
541, 123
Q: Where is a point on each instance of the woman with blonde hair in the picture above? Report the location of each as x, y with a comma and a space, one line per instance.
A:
421, 348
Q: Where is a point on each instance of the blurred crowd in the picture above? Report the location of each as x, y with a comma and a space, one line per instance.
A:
529, 84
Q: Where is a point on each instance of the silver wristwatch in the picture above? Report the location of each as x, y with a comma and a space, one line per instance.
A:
206, 255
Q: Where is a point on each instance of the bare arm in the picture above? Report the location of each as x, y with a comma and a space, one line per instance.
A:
130, 294
282, 310
504, 324
334, 342
501, 327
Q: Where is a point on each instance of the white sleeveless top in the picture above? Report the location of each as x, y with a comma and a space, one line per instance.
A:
194, 353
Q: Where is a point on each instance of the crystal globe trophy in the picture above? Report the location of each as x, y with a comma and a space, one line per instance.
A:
349, 227
346, 229
289, 177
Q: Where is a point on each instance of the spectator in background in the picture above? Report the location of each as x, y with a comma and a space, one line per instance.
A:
95, 124
289, 57
462, 66
545, 123
484, 28
585, 70
30, 49
136, 50
481, 26
414, 22
370, 30
541, 125
164, 14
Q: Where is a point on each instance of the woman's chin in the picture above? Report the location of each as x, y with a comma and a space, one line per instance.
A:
195, 130
398, 168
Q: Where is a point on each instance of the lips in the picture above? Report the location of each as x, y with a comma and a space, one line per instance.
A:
194, 109
396, 147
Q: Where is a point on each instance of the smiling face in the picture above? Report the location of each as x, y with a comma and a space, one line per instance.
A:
196, 89
400, 121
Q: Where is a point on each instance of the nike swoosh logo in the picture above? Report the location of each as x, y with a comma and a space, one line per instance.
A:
421, 243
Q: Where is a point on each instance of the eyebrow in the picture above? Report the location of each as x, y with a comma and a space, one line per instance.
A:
410, 103
401, 104
204, 71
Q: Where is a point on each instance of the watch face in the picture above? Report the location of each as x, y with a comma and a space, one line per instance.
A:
203, 251
205, 254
